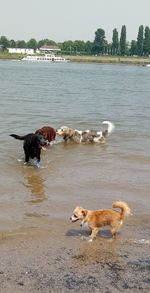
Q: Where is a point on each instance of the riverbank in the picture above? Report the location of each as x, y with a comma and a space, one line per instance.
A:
110, 59
57, 260
90, 59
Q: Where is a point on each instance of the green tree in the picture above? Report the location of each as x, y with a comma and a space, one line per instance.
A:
68, 47
45, 42
32, 44
4, 42
12, 44
99, 42
146, 41
140, 41
123, 41
133, 48
79, 47
88, 47
21, 44
115, 42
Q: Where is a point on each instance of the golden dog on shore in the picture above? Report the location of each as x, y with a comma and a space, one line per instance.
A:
99, 218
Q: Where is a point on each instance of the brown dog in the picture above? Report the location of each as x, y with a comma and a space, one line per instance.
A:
49, 133
99, 218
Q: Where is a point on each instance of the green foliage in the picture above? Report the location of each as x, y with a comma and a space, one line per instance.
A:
123, 41
146, 41
32, 44
133, 49
99, 42
4, 42
115, 42
140, 41
21, 44
12, 44
46, 42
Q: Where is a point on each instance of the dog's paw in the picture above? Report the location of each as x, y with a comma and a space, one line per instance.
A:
89, 239
37, 163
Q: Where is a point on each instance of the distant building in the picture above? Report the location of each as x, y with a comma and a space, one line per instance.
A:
43, 49
21, 50
49, 49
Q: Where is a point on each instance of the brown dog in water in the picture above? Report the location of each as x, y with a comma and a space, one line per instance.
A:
99, 218
49, 133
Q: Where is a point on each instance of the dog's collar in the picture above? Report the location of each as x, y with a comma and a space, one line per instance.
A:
82, 223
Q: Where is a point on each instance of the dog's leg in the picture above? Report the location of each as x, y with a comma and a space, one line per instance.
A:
93, 234
26, 158
113, 232
115, 229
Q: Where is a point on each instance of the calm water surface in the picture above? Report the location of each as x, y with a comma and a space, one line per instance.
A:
81, 96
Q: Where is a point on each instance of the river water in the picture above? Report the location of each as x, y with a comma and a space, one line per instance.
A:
80, 96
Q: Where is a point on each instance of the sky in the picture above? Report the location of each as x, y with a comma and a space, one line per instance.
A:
63, 20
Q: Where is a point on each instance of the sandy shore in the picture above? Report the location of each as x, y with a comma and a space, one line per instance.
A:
34, 260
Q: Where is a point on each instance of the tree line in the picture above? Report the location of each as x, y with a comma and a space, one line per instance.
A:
99, 46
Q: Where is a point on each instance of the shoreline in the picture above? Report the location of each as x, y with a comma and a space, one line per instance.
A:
110, 60
91, 59
58, 260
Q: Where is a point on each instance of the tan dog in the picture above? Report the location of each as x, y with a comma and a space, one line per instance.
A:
99, 218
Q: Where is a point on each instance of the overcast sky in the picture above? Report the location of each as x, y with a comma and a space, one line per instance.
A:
61, 20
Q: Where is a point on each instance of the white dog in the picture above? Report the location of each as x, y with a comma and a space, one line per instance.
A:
86, 135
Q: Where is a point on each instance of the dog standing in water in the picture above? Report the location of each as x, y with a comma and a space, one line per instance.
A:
32, 145
100, 218
85, 136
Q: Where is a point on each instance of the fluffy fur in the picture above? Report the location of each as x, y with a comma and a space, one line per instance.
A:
49, 133
32, 145
99, 218
87, 135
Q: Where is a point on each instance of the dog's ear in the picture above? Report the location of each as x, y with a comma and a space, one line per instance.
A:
66, 137
84, 213
38, 131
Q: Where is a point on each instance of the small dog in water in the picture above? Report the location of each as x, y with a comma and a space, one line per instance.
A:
85, 136
99, 218
32, 145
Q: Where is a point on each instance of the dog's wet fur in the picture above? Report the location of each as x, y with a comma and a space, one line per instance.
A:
32, 145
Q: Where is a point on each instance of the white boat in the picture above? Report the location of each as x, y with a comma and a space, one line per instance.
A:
44, 58
146, 65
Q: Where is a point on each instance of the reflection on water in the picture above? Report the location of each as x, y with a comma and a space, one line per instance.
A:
34, 181
101, 251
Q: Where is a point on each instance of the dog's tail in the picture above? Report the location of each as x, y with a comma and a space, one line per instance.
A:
18, 136
125, 210
111, 127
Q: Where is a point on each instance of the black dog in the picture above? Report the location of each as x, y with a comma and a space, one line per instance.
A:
33, 143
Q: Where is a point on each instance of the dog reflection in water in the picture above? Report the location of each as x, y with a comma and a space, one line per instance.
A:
35, 182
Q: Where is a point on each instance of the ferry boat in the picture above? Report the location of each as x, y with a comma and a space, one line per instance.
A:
44, 58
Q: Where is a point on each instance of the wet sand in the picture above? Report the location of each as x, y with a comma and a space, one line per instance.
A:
58, 260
